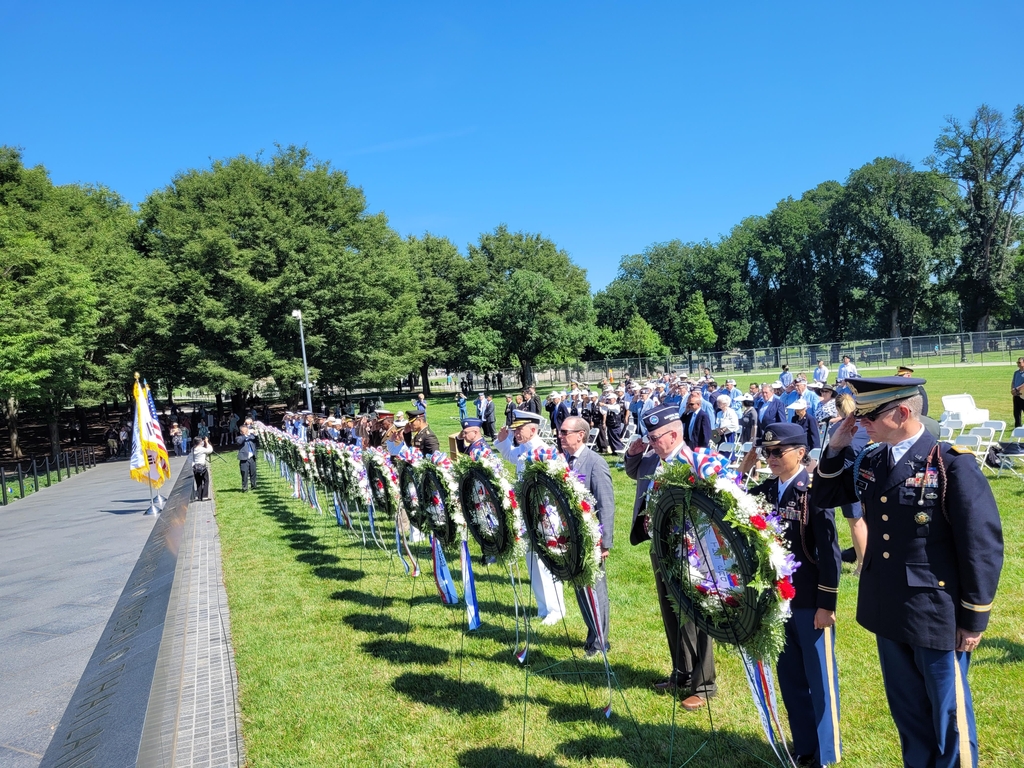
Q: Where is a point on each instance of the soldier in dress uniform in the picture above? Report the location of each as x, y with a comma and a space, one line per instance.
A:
423, 436
808, 677
472, 434
931, 566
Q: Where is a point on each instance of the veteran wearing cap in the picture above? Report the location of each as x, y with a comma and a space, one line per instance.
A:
931, 565
808, 677
515, 445
472, 435
691, 651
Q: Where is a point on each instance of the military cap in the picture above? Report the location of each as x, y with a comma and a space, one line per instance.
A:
904, 368
470, 423
381, 412
872, 394
522, 418
416, 413
784, 434
660, 416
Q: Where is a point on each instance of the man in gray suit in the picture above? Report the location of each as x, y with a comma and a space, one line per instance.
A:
597, 479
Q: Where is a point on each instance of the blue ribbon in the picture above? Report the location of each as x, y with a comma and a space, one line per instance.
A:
442, 576
469, 588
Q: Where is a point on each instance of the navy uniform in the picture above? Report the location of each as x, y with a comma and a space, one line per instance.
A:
931, 567
808, 675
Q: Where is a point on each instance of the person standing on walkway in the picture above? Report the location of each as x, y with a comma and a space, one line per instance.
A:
247, 457
1017, 388
201, 468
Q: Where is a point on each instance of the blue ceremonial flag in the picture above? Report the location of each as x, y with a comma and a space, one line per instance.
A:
469, 588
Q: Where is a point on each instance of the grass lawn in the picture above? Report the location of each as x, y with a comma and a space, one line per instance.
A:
333, 673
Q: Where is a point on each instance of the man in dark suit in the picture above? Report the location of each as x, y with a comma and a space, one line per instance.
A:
770, 410
423, 436
597, 479
693, 659
696, 424
488, 418
931, 565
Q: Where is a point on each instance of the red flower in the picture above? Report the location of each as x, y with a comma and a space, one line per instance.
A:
585, 505
732, 602
512, 498
758, 522
436, 500
786, 589
655, 485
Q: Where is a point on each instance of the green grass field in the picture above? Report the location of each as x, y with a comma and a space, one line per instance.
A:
334, 673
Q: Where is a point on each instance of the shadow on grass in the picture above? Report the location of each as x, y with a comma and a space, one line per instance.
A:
318, 557
362, 598
488, 757
336, 573
403, 652
1004, 652
467, 698
375, 623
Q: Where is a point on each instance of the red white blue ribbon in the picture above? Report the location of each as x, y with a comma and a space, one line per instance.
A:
595, 615
762, 687
479, 451
409, 455
543, 454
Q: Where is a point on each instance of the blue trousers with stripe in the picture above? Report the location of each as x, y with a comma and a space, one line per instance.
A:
809, 681
931, 705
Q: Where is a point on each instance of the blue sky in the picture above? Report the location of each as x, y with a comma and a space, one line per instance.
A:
606, 127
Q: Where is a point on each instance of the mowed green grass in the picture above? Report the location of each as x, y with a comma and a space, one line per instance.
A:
333, 672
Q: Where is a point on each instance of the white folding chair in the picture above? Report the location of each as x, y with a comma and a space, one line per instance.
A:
972, 443
999, 427
945, 434
814, 454
627, 435
592, 437
987, 435
955, 425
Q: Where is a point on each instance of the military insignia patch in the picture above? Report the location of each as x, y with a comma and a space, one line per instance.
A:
960, 449
653, 419
769, 436
922, 518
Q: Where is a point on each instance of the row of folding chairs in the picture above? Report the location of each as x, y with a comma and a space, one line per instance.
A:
951, 428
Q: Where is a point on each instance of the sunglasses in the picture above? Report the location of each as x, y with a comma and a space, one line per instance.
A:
774, 453
568, 431
878, 414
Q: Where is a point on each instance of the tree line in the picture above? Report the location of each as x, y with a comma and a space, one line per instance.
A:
197, 285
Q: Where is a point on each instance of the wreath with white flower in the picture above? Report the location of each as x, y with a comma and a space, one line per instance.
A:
561, 520
283, 446
383, 483
492, 512
408, 470
724, 559
439, 497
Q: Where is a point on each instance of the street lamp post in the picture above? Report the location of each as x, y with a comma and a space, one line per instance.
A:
297, 313
960, 307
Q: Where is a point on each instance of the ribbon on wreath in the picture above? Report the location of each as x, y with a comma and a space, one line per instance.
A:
762, 688
341, 512
441, 460
479, 451
409, 455
595, 617
442, 576
401, 543
546, 453
705, 463
469, 588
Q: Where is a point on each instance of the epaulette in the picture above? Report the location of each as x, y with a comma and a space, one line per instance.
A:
960, 449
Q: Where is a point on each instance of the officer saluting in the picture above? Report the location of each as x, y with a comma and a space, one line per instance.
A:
931, 566
808, 677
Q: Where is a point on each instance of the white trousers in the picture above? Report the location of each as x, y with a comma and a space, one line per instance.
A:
546, 589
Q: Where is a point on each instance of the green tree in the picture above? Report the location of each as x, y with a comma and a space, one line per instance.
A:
985, 157
695, 332
250, 240
534, 299
639, 339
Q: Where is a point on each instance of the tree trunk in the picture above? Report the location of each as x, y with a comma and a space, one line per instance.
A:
894, 323
11, 412
220, 405
425, 374
53, 425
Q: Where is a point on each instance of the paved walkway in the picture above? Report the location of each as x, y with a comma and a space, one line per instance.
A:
66, 554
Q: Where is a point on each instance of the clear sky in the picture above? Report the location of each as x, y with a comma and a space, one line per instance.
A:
604, 126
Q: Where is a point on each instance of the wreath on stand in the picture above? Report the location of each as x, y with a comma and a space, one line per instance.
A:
561, 522
491, 508
723, 559
409, 489
383, 481
439, 492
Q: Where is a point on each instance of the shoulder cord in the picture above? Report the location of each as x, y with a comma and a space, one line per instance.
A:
804, 518
940, 467
858, 461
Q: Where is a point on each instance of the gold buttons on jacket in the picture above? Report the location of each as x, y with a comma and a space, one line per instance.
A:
883, 499
885, 518
942, 583
885, 536
885, 555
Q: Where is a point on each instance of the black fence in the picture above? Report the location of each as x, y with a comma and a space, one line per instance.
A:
29, 475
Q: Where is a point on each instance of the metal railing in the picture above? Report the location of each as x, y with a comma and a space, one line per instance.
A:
33, 473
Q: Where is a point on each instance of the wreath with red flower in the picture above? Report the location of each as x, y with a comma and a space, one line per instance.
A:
489, 503
561, 521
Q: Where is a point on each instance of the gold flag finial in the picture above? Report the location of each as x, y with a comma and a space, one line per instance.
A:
136, 375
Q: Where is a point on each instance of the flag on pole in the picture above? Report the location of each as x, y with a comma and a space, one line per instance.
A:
149, 462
